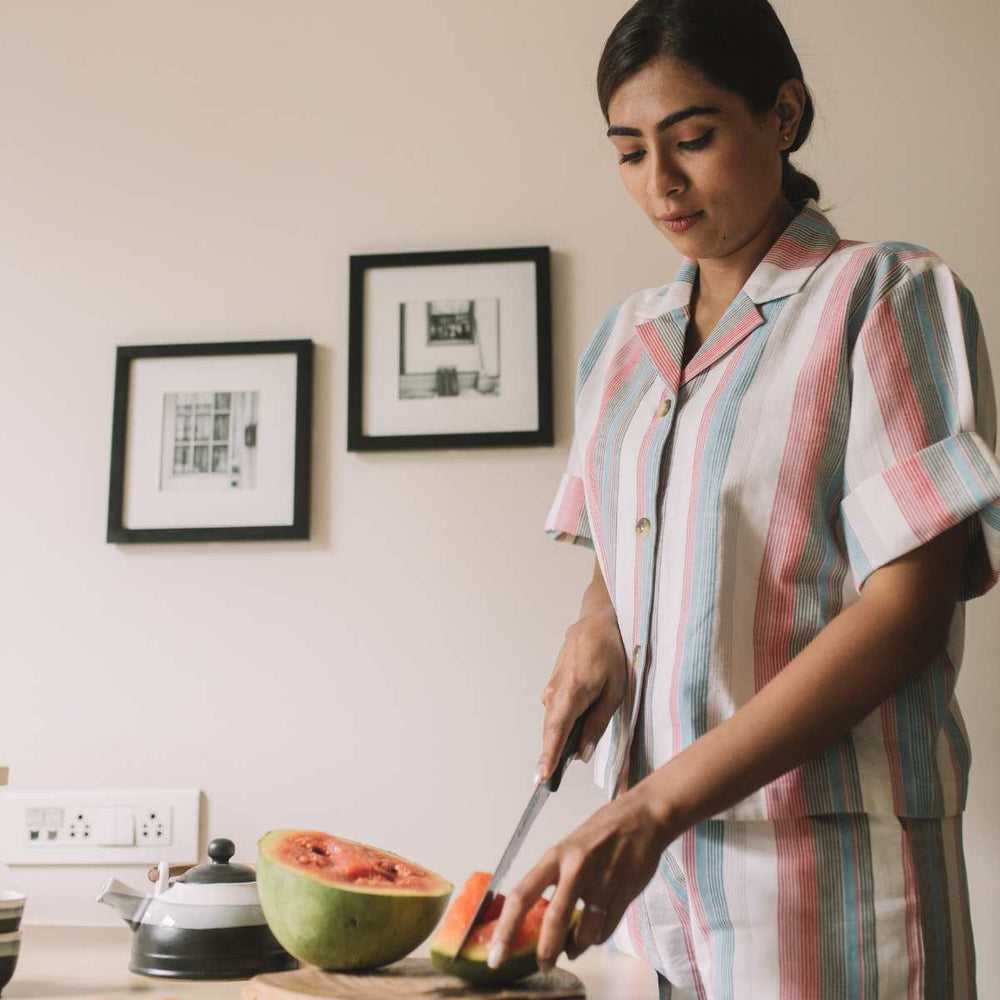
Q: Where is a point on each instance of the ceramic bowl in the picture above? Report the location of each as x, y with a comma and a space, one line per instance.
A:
11, 908
10, 945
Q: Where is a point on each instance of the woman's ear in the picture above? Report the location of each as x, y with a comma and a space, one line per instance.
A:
788, 109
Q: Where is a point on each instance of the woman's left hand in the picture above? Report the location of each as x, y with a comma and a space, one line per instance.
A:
606, 862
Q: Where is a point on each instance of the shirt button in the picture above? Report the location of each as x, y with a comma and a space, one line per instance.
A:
642, 527
635, 656
664, 408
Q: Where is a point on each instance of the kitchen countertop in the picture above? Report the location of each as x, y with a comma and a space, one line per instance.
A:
91, 963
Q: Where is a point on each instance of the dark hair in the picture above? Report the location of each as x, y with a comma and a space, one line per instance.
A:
739, 45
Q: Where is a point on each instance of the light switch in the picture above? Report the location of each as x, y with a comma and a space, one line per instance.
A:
114, 826
54, 817
124, 825
104, 826
35, 817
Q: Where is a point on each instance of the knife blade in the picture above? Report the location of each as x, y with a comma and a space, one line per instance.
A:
542, 791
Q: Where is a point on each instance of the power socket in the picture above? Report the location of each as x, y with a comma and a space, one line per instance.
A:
154, 825
78, 826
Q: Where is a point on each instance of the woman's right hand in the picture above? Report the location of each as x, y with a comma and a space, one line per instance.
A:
589, 674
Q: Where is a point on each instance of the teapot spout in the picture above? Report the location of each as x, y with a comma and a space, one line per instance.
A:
131, 905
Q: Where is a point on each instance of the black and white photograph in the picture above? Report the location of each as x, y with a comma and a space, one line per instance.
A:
211, 442
450, 349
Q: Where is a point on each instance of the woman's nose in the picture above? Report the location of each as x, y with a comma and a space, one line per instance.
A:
665, 179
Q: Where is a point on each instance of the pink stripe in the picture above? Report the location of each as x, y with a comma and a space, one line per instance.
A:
634, 934
915, 254
571, 507
684, 922
918, 498
789, 526
792, 254
657, 349
893, 382
740, 329
798, 910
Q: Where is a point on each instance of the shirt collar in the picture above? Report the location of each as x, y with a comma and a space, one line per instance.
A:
805, 243
662, 321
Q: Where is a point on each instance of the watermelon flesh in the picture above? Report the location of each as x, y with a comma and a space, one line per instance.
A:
342, 905
471, 965
345, 862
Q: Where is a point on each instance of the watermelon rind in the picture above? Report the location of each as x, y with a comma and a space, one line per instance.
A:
340, 927
471, 964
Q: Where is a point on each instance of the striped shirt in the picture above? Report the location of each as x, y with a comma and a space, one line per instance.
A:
840, 414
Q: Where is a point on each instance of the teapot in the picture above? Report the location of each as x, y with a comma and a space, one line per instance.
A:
205, 924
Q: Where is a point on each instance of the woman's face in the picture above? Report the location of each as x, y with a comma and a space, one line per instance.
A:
686, 146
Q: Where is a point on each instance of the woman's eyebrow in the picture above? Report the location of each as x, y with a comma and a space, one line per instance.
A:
664, 123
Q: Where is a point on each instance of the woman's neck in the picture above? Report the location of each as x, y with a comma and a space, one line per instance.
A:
721, 278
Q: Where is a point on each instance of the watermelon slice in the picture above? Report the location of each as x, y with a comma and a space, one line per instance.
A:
343, 905
471, 964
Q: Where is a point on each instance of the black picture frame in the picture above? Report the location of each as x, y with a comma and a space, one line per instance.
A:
358, 440
303, 351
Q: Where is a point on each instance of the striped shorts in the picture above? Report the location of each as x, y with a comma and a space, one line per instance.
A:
859, 907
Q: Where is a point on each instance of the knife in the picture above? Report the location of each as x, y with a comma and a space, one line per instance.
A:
534, 807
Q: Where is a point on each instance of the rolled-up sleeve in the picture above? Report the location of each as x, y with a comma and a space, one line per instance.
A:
921, 432
567, 520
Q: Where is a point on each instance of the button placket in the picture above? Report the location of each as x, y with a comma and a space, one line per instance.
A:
644, 529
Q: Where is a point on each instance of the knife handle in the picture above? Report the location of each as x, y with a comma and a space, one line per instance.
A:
569, 751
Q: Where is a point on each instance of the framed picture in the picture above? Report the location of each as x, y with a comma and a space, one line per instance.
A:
450, 349
211, 442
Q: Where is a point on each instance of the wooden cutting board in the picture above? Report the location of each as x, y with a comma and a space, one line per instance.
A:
411, 977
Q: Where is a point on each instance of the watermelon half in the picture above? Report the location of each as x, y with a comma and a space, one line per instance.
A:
342, 905
470, 965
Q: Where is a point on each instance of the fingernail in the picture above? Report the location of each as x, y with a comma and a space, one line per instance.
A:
495, 957
588, 752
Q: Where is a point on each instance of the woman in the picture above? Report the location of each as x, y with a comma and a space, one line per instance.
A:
784, 463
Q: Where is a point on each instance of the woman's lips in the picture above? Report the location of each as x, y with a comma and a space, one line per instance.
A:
682, 224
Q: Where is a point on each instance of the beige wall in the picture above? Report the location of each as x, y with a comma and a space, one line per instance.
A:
201, 170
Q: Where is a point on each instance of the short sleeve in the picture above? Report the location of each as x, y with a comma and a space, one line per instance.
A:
567, 520
921, 434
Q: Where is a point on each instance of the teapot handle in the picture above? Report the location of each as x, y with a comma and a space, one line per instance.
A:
174, 872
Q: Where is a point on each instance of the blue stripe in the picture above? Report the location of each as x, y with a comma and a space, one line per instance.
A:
593, 350
696, 662
709, 862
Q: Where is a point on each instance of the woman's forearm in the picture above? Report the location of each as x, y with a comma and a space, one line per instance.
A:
857, 661
596, 599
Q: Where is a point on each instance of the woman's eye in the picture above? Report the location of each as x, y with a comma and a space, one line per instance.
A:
700, 143
632, 157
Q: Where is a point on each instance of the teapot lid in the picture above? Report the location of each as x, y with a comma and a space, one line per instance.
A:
220, 870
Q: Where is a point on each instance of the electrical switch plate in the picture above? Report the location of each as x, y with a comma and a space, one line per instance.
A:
99, 826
